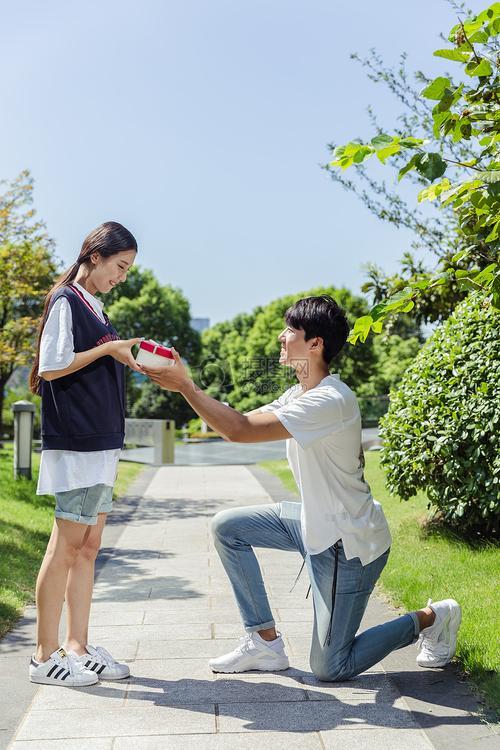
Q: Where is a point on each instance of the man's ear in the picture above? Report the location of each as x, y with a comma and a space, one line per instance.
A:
317, 343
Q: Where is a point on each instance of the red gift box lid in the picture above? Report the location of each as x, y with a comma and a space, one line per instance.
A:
154, 348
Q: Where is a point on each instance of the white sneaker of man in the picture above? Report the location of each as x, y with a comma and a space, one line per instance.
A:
253, 652
61, 669
99, 661
438, 642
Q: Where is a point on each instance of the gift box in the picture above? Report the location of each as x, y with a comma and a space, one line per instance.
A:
152, 354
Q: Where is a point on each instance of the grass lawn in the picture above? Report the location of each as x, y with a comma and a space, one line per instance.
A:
427, 562
25, 524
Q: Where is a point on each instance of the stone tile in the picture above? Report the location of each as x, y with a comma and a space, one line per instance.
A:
294, 614
127, 617
267, 740
120, 722
382, 737
312, 716
94, 743
170, 669
174, 617
188, 649
366, 688
102, 695
246, 689
150, 632
108, 605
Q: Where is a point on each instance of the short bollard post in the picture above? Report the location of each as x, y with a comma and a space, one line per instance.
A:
24, 413
165, 442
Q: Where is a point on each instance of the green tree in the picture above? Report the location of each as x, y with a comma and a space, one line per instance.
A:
465, 120
27, 270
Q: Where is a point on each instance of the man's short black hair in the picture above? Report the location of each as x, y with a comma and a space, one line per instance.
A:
320, 316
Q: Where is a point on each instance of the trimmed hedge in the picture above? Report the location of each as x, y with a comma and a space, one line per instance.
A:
441, 433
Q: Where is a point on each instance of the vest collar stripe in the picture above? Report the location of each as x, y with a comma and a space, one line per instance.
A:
85, 302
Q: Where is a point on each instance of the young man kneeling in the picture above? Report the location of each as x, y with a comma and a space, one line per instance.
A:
338, 528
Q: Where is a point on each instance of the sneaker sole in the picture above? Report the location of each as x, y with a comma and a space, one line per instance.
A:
60, 683
455, 620
119, 677
275, 668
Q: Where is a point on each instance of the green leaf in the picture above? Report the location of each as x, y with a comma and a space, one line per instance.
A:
351, 153
415, 159
384, 153
495, 232
381, 141
491, 176
411, 142
481, 68
378, 311
452, 54
431, 165
493, 11
495, 288
436, 88
458, 256
434, 191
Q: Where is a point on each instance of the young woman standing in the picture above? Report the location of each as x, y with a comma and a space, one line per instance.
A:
79, 373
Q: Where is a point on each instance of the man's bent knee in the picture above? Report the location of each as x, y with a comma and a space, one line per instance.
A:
222, 524
331, 673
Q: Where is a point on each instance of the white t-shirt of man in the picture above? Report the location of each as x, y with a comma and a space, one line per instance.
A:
327, 462
62, 470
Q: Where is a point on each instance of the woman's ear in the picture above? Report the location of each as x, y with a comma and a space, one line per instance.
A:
94, 258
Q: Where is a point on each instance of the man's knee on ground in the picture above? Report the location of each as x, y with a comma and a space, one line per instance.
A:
330, 673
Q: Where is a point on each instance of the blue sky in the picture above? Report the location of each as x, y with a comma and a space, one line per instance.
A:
201, 125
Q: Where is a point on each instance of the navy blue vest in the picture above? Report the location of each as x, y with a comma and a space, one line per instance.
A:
85, 411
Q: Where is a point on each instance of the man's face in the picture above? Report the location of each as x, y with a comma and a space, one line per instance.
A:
294, 348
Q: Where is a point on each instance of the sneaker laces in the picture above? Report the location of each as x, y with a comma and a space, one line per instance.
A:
68, 662
244, 645
104, 654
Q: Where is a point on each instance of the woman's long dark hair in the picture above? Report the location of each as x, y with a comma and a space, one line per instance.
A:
107, 239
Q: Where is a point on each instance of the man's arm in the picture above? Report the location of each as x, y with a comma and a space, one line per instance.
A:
254, 427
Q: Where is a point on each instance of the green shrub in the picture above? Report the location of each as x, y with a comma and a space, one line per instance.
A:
441, 432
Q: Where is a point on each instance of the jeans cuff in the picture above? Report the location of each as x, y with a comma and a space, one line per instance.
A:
263, 626
416, 625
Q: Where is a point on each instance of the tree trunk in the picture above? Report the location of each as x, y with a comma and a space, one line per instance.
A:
3, 383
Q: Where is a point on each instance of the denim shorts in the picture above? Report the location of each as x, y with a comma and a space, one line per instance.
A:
83, 504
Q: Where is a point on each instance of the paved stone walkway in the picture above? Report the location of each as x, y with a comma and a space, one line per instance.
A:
163, 603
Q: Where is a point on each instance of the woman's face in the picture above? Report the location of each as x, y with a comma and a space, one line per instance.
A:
108, 272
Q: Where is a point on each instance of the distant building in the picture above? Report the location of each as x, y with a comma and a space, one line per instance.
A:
199, 324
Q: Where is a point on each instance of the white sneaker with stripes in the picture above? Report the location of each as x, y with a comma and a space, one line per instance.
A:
61, 669
99, 661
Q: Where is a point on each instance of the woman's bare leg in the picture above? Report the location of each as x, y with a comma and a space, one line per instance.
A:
62, 550
80, 586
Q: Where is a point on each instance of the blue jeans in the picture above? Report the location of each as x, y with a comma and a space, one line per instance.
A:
277, 526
